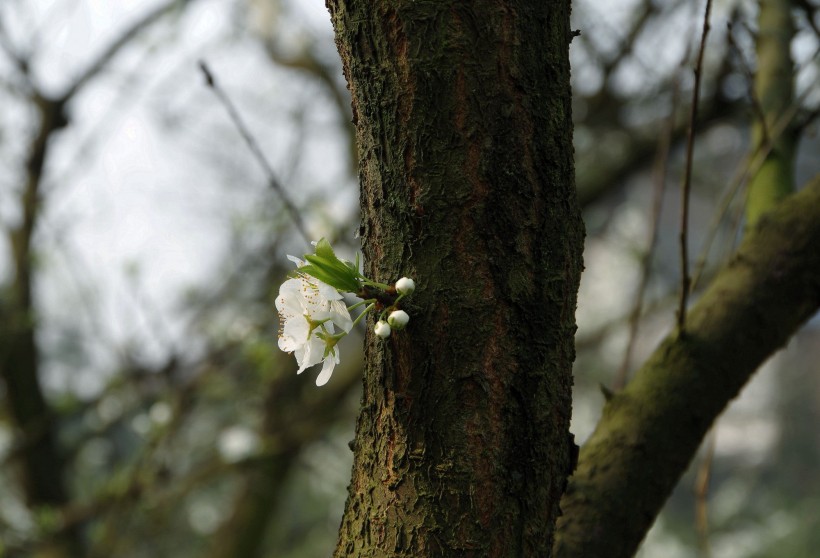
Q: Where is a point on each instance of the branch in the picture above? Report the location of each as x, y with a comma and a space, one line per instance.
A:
123, 40
298, 417
256, 151
774, 89
41, 461
687, 175
650, 431
642, 147
19, 61
310, 63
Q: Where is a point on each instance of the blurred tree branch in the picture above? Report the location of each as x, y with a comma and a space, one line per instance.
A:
41, 459
299, 413
309, 62
650, 431
774, 91
604, 114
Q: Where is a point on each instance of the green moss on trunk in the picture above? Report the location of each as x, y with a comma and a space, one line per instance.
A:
650, 431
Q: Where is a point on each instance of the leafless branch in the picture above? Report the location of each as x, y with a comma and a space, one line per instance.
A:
687, 177
702, 496
273, 182
102, 60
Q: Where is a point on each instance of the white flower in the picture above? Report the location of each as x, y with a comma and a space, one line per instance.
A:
382, 329
405, 286
398, 319
308, 310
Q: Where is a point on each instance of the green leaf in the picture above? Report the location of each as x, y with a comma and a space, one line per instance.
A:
325, 250
341, 281
326, 267
329, 266
319, 274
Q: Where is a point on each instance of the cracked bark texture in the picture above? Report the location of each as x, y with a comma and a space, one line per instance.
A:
463, 122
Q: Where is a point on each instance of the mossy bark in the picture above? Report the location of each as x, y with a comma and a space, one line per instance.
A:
650, 431
463, 122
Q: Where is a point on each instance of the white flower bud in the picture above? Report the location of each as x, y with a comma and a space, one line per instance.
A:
398, 319
382, 329
405, 286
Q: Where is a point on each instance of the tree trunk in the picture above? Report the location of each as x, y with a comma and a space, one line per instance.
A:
464, 130
39, 458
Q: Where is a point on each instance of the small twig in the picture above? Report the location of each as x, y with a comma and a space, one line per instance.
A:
104, 58
687, 177
18, 59
702, 496
273, 182
627, 44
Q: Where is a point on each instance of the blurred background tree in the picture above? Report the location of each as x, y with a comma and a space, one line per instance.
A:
146, 410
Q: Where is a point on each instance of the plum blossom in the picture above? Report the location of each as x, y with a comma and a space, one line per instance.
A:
405, 286
382, 329
398, 319
309, 312
311, 307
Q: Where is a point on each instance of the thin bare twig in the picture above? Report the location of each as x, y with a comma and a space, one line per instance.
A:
687, 177
702, 482
273, 182
808, 12
18, 59
627, 44
310, 63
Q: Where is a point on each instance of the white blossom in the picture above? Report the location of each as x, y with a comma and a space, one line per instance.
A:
405, 286
398, 319
308, 311
382, 329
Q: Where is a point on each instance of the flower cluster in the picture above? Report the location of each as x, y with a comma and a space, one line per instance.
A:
311, 307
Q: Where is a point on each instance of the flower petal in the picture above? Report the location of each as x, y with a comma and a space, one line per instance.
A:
327, 368
340, 315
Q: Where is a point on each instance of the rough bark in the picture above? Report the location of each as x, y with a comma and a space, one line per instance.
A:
650, 431
463, 123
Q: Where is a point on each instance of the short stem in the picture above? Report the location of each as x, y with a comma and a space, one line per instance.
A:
360, 303
365, 311
375, 284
